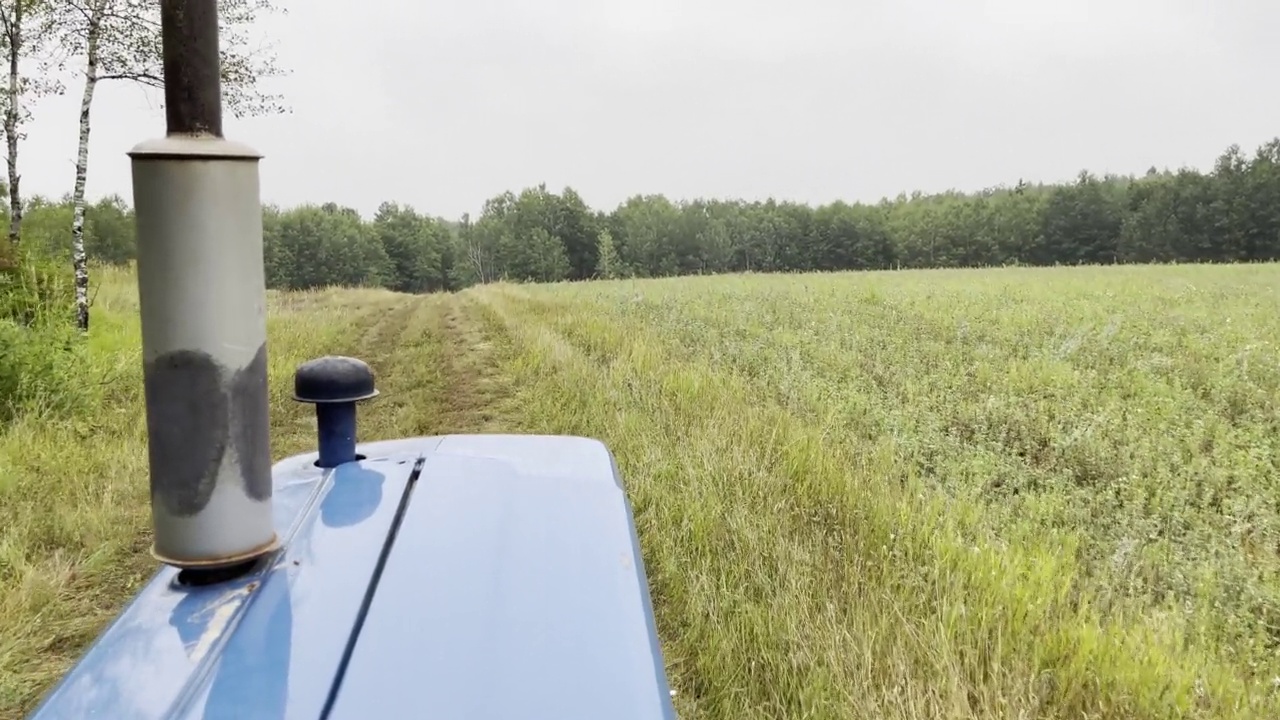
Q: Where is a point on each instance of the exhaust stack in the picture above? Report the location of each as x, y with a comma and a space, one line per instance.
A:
202, 292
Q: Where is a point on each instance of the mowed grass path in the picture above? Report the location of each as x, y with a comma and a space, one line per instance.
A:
969, 494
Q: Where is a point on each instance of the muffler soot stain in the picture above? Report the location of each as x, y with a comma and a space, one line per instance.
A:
188, 422
251, 431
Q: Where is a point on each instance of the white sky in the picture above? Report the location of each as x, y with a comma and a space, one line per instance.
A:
444, 104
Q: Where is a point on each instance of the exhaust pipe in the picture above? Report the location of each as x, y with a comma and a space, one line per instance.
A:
201, 288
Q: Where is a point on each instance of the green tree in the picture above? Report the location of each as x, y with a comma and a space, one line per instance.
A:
26, 34
326, 245
607, 262
120, 40
415, 247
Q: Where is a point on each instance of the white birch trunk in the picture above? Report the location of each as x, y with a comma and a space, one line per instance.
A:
79, 259
476, 256
13, 28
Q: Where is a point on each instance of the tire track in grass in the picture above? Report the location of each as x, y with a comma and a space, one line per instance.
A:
435, 369
370, 336
471, 400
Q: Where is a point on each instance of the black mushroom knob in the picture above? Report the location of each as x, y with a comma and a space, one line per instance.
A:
333, 379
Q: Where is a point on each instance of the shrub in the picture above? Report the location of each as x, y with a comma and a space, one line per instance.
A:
35, 291
39, 348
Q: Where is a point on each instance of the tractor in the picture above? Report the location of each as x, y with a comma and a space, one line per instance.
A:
468, 577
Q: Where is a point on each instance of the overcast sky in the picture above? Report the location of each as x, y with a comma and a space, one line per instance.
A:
443, 104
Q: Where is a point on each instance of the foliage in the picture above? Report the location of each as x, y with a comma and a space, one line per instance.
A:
109, 230
37, 354
121, 40
38, 370
319, 245
1230, 214
35, 292
607, 264
418, 248
27, 34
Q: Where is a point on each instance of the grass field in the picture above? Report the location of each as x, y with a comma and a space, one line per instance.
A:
1049, 493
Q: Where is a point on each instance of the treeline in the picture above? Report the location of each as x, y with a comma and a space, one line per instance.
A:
1229, 214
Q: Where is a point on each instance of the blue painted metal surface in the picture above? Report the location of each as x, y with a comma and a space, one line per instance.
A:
465, 576
516, 588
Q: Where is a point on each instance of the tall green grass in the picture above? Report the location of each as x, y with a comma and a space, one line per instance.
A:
1013, 493
38, 348
1019, 493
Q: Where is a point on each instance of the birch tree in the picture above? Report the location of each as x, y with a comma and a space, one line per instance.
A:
120, 40
25, 32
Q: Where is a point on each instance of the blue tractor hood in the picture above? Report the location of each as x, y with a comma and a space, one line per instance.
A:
461, 577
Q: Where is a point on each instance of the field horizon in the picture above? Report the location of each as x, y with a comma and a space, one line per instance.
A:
1012, 492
